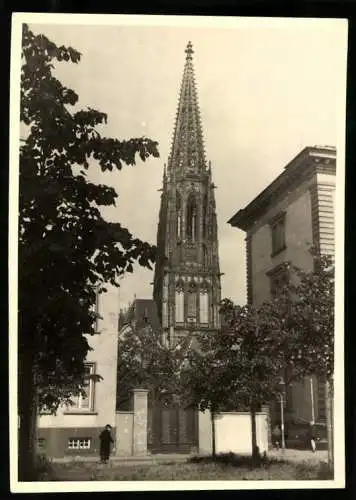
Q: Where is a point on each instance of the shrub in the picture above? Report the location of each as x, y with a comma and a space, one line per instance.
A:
236, 460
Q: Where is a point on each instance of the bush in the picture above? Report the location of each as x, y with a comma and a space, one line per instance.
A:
236, 460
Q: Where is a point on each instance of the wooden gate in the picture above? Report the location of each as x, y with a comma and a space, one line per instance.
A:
172, 429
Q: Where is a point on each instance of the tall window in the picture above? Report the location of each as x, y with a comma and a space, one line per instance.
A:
85, 401
164, 314
192, 226
205, 256
204, 306
278, 229
179, 215
179, 305
192, 303
205, 211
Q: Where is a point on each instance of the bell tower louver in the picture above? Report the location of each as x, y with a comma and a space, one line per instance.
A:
187, 286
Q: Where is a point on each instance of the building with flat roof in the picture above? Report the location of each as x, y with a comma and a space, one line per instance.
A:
282, 223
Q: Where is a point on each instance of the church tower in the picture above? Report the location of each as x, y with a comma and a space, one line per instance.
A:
187, 287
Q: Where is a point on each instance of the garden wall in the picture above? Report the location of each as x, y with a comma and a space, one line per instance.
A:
233, 432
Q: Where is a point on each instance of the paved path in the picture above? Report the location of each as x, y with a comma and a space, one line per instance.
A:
119, 460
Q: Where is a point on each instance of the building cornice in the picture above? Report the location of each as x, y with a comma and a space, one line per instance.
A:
310, 161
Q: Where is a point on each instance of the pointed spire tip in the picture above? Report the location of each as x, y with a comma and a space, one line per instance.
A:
189, 50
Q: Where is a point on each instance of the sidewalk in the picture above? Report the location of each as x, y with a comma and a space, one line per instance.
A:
129, 460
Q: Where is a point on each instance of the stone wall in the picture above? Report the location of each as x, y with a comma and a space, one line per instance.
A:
131, 434
232, 433
124, 434
140, 422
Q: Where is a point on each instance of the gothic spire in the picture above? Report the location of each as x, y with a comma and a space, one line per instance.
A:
187, 153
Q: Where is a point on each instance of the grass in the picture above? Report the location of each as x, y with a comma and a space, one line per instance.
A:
222, 468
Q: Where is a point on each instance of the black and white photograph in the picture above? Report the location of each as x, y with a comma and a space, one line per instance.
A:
176, 246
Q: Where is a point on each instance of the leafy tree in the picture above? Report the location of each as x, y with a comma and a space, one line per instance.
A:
238, 367
311, 326
289, 336
146, 361
202, 383
67, 251
311, 318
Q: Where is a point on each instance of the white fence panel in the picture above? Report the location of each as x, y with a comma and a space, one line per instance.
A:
233, 432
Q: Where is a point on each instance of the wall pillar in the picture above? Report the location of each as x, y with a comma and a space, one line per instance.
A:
265, 409
205, 433
140, 422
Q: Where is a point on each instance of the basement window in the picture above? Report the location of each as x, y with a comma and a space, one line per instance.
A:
79, 443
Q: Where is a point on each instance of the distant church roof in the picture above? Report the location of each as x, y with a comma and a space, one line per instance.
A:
143, 312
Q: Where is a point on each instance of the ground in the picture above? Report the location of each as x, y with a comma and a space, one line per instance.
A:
291, 465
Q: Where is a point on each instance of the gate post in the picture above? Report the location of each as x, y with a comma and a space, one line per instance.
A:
265, 409
205, 439
140, 422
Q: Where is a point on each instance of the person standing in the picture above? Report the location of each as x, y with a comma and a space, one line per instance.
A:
276, 436
105, 444
312, 436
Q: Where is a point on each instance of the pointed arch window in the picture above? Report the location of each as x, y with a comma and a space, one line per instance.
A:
205, 256
192, 219
164, 314
192, 302
204, 304
179, 306
205, 212
179, 215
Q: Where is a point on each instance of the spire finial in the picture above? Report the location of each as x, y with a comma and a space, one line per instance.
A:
189, 51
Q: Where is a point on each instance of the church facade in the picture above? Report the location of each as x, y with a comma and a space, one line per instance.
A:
186, 287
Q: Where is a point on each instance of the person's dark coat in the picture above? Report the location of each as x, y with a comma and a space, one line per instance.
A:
105, 442
311, 433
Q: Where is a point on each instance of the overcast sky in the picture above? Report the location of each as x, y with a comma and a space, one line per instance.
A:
265, 92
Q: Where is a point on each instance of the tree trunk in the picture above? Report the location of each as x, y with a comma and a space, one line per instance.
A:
212, 414
27, 405
255, 449
329, 422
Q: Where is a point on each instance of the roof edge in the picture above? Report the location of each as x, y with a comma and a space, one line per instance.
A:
244, 218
